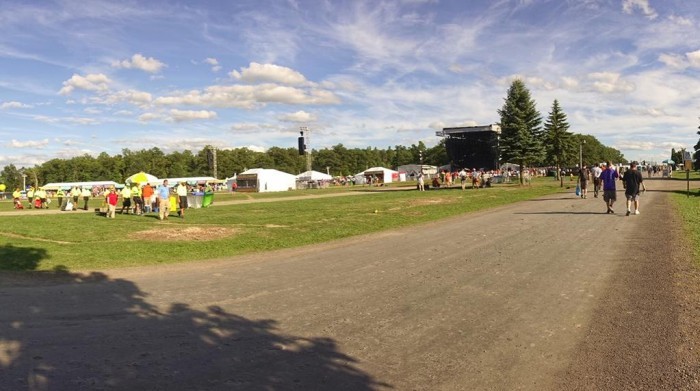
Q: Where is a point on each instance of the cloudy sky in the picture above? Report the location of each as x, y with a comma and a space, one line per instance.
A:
98, 76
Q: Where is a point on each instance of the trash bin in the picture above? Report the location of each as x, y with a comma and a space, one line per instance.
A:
208, 199
173, 203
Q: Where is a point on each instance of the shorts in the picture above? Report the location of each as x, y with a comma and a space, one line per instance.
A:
183, 202
584, 185
632, 197
609, 195
127, 202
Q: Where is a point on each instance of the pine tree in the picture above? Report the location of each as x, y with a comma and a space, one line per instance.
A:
521, 137
558, 139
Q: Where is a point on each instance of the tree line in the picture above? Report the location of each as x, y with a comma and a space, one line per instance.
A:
524, 140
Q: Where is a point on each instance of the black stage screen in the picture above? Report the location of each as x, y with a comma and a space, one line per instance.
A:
473, 147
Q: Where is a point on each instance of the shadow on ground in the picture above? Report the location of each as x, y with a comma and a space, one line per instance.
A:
21, 258
68, 331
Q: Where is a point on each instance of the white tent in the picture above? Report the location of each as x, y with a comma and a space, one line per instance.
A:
314, 176
385, 175
265, 180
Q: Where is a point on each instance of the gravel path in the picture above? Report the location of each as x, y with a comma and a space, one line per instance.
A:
546, 294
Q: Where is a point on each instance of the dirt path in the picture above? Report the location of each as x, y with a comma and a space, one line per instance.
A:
547, 294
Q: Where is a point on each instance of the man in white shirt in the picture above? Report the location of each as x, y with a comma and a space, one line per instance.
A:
596, 171
181, 191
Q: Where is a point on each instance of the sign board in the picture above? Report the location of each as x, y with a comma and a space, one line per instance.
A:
688, 165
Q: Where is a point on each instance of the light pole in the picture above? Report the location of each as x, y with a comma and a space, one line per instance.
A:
580, 154
24, 181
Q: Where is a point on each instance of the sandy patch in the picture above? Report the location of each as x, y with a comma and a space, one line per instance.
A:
189, 233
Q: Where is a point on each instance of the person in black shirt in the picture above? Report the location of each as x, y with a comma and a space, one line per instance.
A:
632, 181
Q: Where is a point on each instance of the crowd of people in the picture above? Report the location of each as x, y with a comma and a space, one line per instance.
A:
138, 199
605, 176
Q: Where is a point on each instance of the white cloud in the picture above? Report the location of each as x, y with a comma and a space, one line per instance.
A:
72, 120
29, 144
249, 96
628, 7
299, 116
138, 61
91, 82
190, 115
14, 105
694, 58
137, 98
257, 73
610, 82
146, 117
215, 67
674, 61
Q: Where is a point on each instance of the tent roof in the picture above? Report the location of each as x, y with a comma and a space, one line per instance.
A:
265, 171
314, 176
378, 169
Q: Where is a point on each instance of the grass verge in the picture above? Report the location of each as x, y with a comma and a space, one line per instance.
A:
689, 210
84, 241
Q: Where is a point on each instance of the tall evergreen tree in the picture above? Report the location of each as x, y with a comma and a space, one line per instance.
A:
558, 140
521, 140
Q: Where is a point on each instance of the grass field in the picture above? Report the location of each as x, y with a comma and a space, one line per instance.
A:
85, 241
689, 209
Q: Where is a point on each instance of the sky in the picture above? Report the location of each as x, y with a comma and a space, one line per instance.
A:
86, 77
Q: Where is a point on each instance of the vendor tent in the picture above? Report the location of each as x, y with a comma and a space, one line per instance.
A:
314, 176
265, 180
384, 175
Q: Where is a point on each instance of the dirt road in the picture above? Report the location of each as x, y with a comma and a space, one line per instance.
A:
547, 294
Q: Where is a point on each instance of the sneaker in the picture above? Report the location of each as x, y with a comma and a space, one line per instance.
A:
628, 212
636, 212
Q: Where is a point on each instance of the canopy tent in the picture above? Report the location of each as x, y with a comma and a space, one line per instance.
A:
668, 161
265, 180
142, 177
70, 185
385, 175
314, 176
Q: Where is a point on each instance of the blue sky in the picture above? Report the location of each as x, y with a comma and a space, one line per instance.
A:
96, 76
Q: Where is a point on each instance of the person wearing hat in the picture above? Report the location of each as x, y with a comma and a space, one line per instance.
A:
181, 191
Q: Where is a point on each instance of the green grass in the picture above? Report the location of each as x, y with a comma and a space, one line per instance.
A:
85, 241
689, 209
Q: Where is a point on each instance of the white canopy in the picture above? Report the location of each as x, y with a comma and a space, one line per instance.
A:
314, 176
264, 180
386, 175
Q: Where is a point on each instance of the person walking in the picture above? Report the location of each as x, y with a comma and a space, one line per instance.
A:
421, 181
163, 192
60, 194
181, 191
126, 199
583, 181
112, 198
147, 196
608, 178
596, 179
75, 194
136, 199
86, 194
631, 182
463, 178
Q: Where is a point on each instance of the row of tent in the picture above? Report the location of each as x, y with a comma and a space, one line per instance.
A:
256, 179
269, 180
